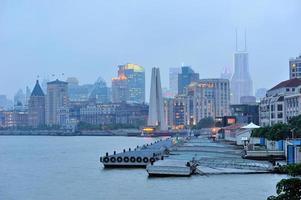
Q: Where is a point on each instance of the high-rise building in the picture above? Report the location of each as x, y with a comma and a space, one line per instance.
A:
129, 85
186, 77
156, 112
173, 80
135, 75
57, 109
241, 82
295, 67
36, 107
120, 89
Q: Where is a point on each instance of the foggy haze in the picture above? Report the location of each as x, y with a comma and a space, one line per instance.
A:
88, 39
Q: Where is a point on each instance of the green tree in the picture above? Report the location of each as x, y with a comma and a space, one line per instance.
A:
288, 189
207, 122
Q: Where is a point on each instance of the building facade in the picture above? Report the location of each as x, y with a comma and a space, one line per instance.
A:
36, 107
173, 80
207, 98
241, 82
280, 103
120, 89
245, 113
57, 103
131, 78
186, 77
295, 67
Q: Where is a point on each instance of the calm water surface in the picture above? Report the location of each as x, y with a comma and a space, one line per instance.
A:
63, 168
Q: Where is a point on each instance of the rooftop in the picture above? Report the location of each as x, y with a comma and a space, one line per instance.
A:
288, 83
37, 90
57, 81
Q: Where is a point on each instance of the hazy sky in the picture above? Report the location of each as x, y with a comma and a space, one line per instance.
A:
89, 38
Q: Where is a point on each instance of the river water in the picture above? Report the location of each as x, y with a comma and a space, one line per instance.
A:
63, 168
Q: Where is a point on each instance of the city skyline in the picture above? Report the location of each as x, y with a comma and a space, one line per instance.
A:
52, 49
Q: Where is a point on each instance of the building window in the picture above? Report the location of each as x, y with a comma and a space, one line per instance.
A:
280, 115
279, 107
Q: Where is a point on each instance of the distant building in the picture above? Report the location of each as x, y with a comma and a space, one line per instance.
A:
245, 113
248, 100
19, 98
179, 111
120, 89
295, 67
173, 80
207, 98
5, 103
186, 77
241, 82
226, 73
100, 92
36, 107
115, 113
27, 96
13, 119
78, 92
57, 103
132, 114
260, 93
99, 114
168, 107
281, 103
156, 112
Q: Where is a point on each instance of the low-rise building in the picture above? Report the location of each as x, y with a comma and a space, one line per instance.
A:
281, 103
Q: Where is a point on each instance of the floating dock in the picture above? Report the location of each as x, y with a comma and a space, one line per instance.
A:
171, 168
140, 156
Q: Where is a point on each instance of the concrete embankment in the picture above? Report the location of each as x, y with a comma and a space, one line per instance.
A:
119, 132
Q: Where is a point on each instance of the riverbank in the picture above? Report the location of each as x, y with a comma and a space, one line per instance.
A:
118, 132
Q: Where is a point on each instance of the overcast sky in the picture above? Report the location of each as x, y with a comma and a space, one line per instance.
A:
89, 38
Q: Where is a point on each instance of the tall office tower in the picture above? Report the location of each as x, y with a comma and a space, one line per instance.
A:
226, 73
135, 76
36, 107
186, 77
100, 91
156, 112
295, 67
120, 89
57, 103
241, 82
173, 80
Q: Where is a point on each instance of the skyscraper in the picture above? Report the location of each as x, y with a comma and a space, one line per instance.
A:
226, 73
131, 76
136, 81
295, 67
156, 112
186, 77
36, 107
173, 80
241, 82
57, 101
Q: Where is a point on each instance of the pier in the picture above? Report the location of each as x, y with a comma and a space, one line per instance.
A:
141, 156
